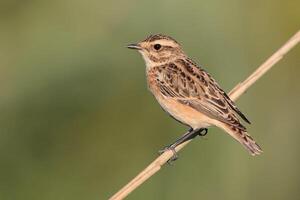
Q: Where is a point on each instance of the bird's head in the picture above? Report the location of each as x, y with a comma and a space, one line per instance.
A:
158, 49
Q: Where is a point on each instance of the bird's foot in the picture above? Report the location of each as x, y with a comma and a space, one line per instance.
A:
187, 136
174, 156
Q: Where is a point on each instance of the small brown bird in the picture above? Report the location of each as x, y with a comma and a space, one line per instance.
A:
188, 93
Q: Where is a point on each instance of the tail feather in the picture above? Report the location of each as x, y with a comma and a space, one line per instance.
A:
244, 138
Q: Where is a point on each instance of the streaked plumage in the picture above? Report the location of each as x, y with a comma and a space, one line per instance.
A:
188, 93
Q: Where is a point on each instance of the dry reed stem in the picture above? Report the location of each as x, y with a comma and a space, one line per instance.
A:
234, 94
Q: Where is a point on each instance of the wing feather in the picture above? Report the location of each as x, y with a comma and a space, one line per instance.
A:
194, 87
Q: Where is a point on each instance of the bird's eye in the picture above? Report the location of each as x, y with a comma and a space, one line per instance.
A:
157, 47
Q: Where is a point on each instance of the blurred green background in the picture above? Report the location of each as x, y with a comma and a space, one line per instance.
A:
77, 121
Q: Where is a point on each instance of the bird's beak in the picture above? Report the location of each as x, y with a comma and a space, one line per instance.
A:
134, 46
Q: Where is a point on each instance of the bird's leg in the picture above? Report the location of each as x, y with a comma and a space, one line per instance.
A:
192, 133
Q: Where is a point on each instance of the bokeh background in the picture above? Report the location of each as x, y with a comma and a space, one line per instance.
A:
77, 121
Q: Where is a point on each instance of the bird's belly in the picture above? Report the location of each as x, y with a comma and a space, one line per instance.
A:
184, 113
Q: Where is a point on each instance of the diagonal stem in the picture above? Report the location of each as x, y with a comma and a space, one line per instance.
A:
236, 92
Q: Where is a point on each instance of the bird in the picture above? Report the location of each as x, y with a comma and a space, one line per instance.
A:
189, 94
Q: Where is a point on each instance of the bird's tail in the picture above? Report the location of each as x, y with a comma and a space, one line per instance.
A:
244, 138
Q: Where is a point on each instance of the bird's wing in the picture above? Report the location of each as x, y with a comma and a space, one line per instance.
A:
194, 87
